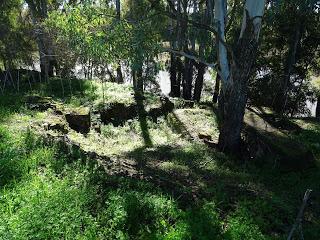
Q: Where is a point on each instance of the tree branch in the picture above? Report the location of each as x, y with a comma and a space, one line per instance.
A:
175, 15
232, 15
300, 214
192, 57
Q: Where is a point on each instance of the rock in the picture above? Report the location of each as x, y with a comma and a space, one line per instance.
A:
36, 102
79, 119
96, 121
154, 113
118, 113
58, 110
210, 143
182, 103
97, 128
166, 107
205, 136
188, 104
56, 124
278, 150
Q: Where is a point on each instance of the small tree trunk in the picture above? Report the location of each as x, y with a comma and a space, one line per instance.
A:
173, 75
140, 82
118, 9
137, 80
291, 61
187, 79
134, 79
199, 82
112, 78
175, 86
201, 67
119, 70
216, 89
180, 76
119, 74
318, 108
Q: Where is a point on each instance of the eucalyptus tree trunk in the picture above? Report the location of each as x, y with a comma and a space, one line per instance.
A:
290, 62
188, 64
175, 84
39, 12
318, 108
119, 70
216, 89
200, 76
179, 65
235, 72
201, 67
137, 79
187, 79
175, 61
199, 82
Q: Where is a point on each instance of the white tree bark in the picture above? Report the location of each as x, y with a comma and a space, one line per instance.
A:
220, 8
236, 72
253, 9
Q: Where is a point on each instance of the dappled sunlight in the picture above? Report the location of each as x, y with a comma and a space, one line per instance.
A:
179, 179
159, 120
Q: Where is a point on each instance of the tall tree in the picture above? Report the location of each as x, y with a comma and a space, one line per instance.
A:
39, 12
205, 18
119, 70
235, 68
186, 39
174, 59
16, 43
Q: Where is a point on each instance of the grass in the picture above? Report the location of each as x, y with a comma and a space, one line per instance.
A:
44, 195
186, 190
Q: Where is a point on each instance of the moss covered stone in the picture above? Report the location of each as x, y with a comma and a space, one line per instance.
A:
79, 119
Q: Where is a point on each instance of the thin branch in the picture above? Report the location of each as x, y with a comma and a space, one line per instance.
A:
192, 57
175, 15
300, 214
48, 55
232, 15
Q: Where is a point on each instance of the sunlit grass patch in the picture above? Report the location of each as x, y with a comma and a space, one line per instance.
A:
113, 93
195, 121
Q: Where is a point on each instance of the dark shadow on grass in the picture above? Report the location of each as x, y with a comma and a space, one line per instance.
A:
66, 88
178, 126
62, 89
280, 123
142, 117
187, 168
11, 103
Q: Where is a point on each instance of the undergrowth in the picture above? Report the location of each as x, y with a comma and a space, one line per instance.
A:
49, 193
